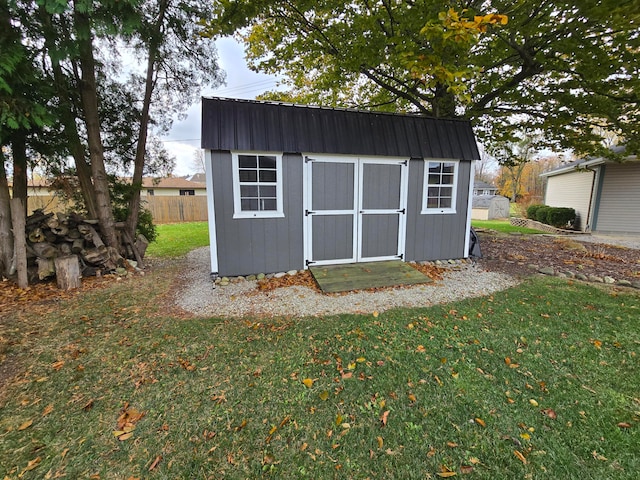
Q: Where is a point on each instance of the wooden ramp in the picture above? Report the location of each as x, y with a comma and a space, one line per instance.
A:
359, 276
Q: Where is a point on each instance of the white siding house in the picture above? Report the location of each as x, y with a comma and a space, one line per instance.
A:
604, 193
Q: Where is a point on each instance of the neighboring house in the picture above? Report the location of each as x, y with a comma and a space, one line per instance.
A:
171, 186
604, 193
484, 188
291, 186
36, 187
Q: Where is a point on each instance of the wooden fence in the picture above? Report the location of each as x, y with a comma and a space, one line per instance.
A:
164, 209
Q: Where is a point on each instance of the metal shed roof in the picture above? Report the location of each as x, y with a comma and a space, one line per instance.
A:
229, 124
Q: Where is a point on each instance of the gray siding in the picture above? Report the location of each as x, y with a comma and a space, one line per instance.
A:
572, 190
254, 245
436, 236
619, 207
248, 125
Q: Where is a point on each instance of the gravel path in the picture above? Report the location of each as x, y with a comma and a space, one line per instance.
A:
243, 299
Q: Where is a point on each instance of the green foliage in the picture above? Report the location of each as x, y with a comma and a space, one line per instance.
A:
561, 217
502, 226
532, 209
541, 214
563, 68
121, 193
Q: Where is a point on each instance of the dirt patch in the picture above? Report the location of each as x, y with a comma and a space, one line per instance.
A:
518, 254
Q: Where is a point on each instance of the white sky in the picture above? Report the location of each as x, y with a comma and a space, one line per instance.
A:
184, 138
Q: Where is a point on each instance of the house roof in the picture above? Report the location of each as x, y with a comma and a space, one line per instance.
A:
171, 182
586, 163
479, 184
230, 124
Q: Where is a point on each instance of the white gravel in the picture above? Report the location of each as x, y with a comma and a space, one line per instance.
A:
242, 299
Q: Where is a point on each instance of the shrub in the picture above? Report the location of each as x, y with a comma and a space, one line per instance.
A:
561, 217
541, 213
532, 209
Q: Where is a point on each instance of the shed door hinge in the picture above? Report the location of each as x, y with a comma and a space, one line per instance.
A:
308, 212
307, 159
405, 163
309, 262
402, 211
401, 256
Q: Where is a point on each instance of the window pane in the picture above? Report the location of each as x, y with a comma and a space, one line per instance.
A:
269, 204
247, 161
248, 191
249, 204
248, 176
433, 192
447, 180
448, 167
434, 179
267, 175
435, 167
445, 202
432, 202
268, 191
446, 192
267, 162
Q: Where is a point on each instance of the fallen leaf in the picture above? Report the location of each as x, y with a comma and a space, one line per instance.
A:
155, 462
324, 395
380, 441
47, 410
57, 365
125, 436
474, 460
339, 419
533, 402
597, 344
64, 452
25, 425
452, 444
480, 422
384, 418
520, 456
624, 425
30, 466
412, 398
597, 456
421, 349
466, 469
375, 314
346, 375
308, 382
549, 412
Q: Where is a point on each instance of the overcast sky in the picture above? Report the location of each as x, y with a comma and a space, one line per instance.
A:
184, 138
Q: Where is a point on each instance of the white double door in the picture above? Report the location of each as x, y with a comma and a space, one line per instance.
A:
355, 209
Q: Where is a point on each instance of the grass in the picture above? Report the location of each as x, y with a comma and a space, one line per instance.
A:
502, 226
176, 239
539, 381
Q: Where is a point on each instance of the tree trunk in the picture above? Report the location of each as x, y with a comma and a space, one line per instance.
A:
19, 154
443, 103
6, 236
77, 150
18, 218
67, 272
138, 169
89, 97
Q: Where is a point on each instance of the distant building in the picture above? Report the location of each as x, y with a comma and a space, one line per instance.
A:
172, 186
484, 188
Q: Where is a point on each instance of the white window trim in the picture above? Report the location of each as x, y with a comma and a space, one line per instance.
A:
425, 188
237, 210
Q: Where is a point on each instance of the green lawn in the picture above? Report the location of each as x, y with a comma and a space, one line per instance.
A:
176, 239
540, 381
502, 226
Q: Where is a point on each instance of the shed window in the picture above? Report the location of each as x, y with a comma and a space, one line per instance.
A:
439, 193
187, 192
257, 185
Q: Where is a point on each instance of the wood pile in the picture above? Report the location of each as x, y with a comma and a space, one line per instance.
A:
54, 236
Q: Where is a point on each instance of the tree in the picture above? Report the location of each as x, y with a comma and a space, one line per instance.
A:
559, 66
513, 157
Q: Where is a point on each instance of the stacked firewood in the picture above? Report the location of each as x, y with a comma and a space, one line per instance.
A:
56, 235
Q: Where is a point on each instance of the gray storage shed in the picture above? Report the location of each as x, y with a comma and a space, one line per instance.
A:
290, 186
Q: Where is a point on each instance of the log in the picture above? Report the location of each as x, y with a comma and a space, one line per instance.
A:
89, 233
65, 249
141, 244
45, 250
77, 245
68, 272
46, 268
96, 256
19, 241
37, 235
37, 217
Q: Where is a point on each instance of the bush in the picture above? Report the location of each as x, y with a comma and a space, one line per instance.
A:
561, 217
541, 214
532, 209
